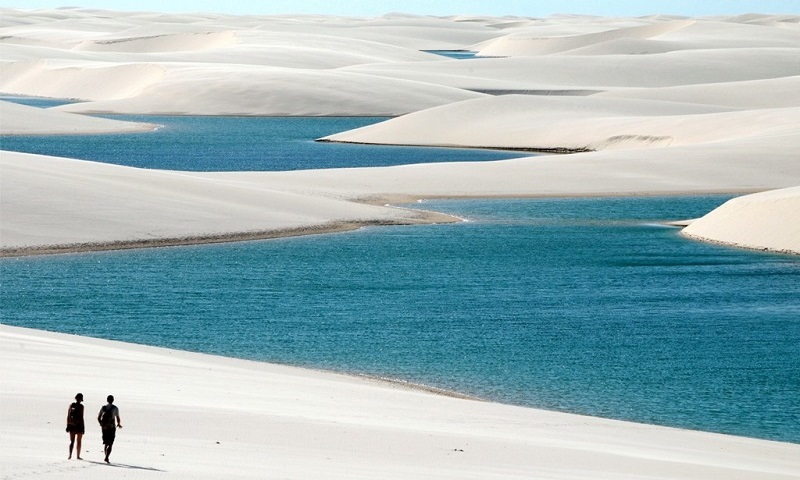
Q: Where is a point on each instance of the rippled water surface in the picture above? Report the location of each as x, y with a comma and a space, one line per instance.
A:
239, 144
581, 305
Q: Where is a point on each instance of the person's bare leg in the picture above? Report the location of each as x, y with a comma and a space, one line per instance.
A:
71, 444
107, 450
80, 436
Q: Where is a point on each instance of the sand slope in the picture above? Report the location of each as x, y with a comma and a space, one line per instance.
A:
201, 417
577, 123
94, 204
767, 220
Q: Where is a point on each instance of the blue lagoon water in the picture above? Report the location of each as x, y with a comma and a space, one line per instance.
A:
455, 54
240, 144
580, 305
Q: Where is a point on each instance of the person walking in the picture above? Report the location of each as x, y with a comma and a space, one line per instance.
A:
75, 425
109, 420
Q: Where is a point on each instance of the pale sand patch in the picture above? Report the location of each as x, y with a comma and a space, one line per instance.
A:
196, 416
763, 221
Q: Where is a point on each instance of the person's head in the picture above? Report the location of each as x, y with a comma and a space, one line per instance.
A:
110, 399
79, 397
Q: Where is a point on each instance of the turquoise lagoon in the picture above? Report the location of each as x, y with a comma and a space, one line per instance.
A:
581, 305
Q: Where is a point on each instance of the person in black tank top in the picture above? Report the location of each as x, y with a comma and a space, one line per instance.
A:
75, 425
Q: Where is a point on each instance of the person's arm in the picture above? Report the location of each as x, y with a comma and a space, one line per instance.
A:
68, 410
99, 415
119, 420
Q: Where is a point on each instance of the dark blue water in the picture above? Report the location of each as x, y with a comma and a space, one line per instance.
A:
580, 305
240, 144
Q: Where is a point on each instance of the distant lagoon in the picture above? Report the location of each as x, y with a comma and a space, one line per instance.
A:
211, 143
584, 305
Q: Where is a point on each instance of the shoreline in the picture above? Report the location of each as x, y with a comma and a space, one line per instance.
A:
184, 413
545, 150
738, 246
424, 217
381, 381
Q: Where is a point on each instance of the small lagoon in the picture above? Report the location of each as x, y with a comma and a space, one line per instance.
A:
241, 144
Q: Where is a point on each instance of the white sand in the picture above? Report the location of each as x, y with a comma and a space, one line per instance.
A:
765, 221
51, 202
666, 105
196, 416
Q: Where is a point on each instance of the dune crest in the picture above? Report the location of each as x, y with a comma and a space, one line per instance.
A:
567, 123
519, 45
162, 43
95, 81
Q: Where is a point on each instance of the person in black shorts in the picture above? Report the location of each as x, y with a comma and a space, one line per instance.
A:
109, 420
75, 425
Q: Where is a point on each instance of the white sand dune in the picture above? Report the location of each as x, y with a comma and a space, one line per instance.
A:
195, 416
765, 221
599, 72
257, 61
41, 78
243, 90
180, 42
752, 94
575, 123
518, 45
95, 204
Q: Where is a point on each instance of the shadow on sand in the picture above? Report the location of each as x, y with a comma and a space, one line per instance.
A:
123, 465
